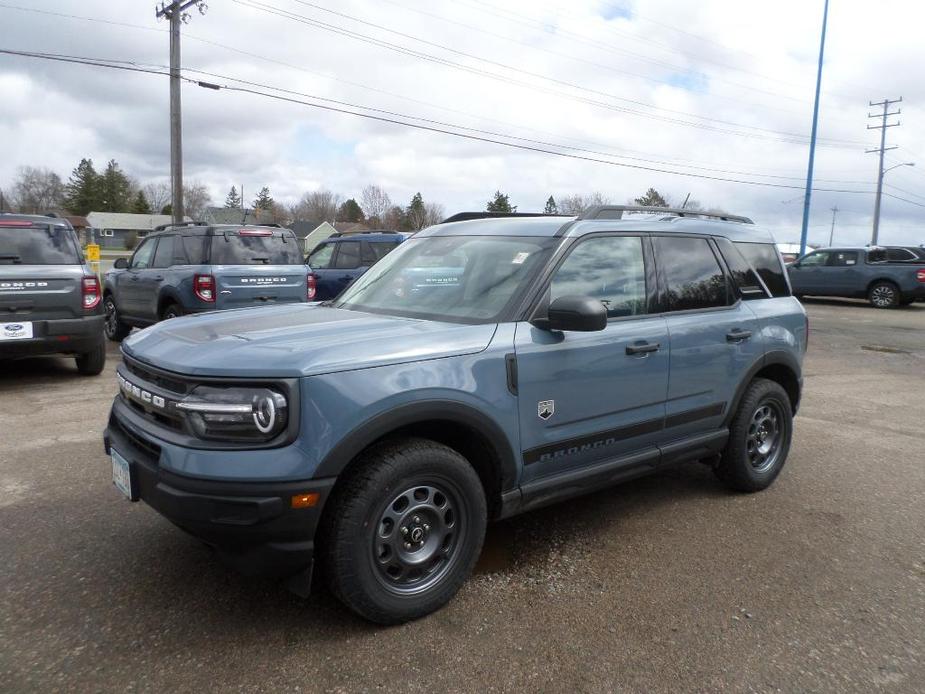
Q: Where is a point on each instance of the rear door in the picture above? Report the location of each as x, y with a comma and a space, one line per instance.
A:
41, 270
254, 266
715, 337
347, 265
842, 273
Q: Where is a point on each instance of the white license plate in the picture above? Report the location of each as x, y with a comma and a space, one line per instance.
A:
15, 331
121, 473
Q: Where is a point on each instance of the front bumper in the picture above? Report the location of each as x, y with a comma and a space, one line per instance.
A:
62, 336
251, 525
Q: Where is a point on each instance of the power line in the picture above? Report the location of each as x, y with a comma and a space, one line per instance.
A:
689, 163
793, 138
352, 110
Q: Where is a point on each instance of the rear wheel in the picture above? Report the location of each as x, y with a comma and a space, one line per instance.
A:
884, 295
114, 328
172, 311
404, 530
759, 438
91, 363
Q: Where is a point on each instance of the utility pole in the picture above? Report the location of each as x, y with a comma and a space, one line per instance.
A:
832, 232
175, 11
812, 137
883, 148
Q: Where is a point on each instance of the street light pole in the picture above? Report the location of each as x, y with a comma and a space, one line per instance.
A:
812, 137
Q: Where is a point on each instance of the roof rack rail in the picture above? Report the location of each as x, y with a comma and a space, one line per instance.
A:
350, 232
161, 227
616, 212
466, 216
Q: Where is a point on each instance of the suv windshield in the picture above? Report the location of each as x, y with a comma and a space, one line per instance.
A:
255, 248
44, 245
469, 279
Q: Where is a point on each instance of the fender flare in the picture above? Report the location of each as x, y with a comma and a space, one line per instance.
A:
772, 358
361, 436
165, 297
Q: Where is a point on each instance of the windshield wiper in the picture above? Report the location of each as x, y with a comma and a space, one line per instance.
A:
265, 261
17, 260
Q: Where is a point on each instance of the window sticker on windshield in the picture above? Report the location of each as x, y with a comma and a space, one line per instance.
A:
520, 258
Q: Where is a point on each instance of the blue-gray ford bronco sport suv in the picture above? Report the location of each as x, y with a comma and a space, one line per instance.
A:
483, 368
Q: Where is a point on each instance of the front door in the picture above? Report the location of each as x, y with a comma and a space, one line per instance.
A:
808, 276
129, 290
588, 397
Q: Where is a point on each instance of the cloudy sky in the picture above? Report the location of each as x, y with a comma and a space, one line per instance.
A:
717, 91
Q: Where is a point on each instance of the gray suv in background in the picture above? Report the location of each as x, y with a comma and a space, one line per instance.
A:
195, 268
49, 298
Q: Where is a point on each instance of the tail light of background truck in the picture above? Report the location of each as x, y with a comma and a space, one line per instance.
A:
311, 283
90, 288
204, 287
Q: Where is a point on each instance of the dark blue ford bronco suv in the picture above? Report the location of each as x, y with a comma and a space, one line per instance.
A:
481, 369
193, 268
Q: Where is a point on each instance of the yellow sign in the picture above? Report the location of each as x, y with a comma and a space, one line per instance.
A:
93, 252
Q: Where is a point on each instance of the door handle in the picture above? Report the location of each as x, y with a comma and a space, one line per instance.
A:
158, 278
738, 335
134, 278
642, 348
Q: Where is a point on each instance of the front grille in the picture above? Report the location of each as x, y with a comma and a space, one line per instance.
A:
156, 378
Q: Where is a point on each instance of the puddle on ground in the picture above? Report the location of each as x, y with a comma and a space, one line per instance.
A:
498, 550
881, 348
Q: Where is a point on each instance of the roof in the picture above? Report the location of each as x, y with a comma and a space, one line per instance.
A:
571, 227
124, 220
78, 222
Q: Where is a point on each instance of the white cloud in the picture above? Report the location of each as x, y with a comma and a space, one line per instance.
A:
742, 63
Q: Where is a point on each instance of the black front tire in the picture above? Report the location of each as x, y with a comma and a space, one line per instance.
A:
378, 558
884, 295
113, 327
759, 438
92, 363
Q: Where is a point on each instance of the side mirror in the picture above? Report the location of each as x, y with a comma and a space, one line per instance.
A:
120, 264
577, 313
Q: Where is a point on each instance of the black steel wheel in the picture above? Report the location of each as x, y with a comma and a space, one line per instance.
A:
759, 438
113, 326
403, 530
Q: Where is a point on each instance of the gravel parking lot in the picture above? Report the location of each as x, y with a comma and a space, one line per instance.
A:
666, 584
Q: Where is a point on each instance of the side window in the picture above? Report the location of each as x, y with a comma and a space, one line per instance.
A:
163, 256
142, 258
899, 255
348, 255
693, 276
745, 277
194, 248
766, 261
374, 251
608, 268
843, 258
815, 259
320, 258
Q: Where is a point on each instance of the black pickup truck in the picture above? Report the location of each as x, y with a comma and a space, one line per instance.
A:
887, 277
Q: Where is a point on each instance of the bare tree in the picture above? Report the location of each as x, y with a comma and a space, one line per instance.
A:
196, 199
316, 207
578, 203
157, 194
37, 190
433, 213
375, 203
392, 218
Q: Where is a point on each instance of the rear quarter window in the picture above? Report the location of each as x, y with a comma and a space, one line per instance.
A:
763, 257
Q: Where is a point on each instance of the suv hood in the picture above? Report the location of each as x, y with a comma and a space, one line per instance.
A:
298, 340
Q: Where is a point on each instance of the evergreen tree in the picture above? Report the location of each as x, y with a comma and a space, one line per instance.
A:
114, 189
233, 200
140, 204
500, 203
415, 215
82, 189
652, 198
350, 211
263, 201
167, 209
551, 207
